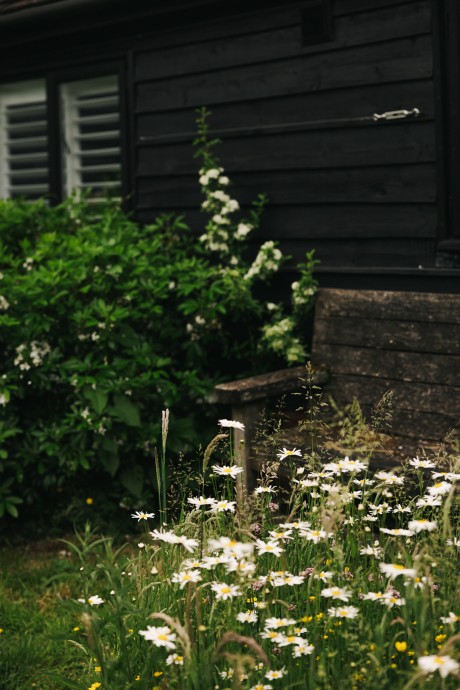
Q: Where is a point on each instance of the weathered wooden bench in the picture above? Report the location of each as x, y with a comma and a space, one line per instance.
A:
366, 343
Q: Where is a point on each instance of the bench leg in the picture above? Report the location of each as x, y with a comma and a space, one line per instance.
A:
249, 414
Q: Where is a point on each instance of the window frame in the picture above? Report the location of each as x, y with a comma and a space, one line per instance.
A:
22, 92
80, 71
55, 80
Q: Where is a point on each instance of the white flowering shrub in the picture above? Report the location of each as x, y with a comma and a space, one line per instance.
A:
103, 322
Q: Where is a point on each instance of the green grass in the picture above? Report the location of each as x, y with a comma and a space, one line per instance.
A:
35, 624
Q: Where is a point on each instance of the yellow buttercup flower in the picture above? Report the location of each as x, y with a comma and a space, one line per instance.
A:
401, 646
89, 501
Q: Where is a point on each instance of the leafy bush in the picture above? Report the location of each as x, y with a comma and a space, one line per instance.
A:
103, 323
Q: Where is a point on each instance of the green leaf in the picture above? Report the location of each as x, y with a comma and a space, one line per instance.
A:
133, 480
124, 409
97, 399
109, 456
12, 510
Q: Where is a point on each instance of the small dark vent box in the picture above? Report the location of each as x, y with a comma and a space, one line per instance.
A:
316, 22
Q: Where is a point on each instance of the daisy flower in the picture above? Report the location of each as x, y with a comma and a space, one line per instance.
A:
345, 465
175, 659
287, 579
369, 550
285, 453
397, 532
420, 525
268, 547
421, 464
283, 535
450, 619
428, 501
140, 515
279, 622
372, 596
343, 612
302, 524
233, 565
398, 508
184, 577
224, 591
336, 593
324, 576
269, 635
272, 675
247, 617
443, 664
160, 636
284, 640
223, 506
262, 686
389, 478
231, 424
231, 547
95, 600
315, 535
439, 489
265, 490
303, 649
200, 501
389, 600
227, 470
448, 476
393, 570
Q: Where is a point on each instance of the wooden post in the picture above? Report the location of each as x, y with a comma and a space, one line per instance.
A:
247, 400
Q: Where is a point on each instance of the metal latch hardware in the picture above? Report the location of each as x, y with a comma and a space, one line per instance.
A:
396, 114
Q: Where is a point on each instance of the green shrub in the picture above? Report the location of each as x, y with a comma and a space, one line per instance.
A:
104, 323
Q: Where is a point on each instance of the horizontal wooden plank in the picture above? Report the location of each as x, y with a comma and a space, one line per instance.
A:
389, 364
281, 42
419, 397
398, 60
232, 23
411, 336
348, 222
274, 383
350, 6
321, 106
372, 304
362, 252
418, 425
425, 425
392, 184
407, 142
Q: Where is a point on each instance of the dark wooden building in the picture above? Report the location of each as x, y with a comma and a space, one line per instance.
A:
103, 94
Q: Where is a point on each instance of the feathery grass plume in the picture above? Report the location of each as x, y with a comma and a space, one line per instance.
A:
382, 414
250, 642
211, 448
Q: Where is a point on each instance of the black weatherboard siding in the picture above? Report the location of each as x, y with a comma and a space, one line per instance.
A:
293, 104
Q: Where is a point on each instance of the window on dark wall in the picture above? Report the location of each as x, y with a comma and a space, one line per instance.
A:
87, 140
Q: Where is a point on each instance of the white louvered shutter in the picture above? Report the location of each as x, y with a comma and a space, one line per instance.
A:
91, 137
24, 170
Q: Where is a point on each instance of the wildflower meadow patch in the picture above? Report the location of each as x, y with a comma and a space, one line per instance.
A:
326, 575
